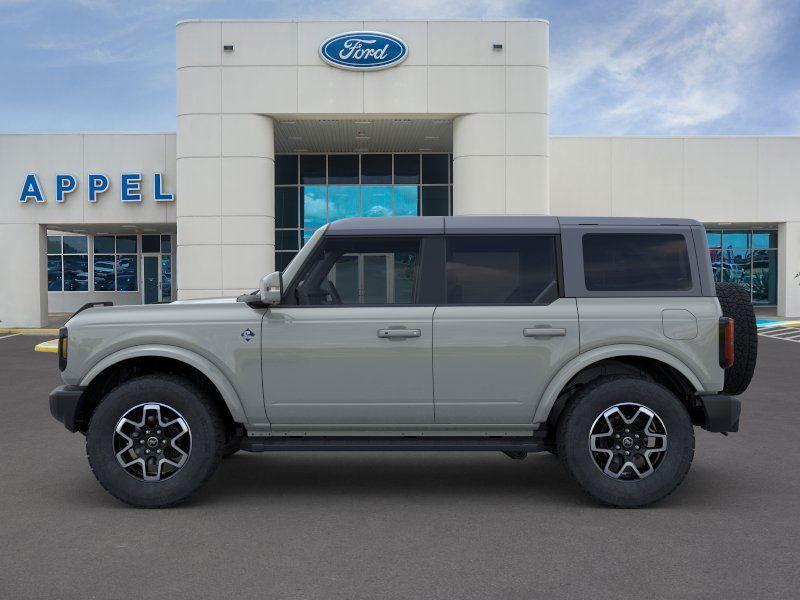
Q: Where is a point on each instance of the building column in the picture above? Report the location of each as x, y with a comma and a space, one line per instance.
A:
788, 265
501, 164
226, 222
23, 302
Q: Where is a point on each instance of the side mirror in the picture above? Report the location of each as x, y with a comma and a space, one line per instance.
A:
271, 288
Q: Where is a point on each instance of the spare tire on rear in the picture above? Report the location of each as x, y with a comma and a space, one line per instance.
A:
735, 303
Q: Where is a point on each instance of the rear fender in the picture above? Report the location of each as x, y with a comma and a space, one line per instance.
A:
587, 359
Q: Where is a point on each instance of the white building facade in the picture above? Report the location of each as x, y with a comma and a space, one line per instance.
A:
283, 127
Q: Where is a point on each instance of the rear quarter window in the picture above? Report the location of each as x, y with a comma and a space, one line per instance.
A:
636, 262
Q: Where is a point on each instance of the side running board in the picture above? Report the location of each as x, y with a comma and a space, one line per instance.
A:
430, 444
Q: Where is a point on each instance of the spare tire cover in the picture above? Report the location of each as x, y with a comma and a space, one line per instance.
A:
735, 303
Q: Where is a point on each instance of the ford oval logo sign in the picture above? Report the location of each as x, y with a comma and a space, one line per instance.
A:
363, 51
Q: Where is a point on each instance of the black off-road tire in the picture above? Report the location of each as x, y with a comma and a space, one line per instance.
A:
735, 303
207, 440
574, 431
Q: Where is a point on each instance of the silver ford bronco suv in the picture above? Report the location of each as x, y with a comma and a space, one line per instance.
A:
603, 341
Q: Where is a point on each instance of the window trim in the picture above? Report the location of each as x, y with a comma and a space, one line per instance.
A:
557, 255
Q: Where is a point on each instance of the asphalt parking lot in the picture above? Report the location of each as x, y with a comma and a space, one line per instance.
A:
404, 525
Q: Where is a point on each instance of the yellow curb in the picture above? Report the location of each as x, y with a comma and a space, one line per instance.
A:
30, 331
48, 346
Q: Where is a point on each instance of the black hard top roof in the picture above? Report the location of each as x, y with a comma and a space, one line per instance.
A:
487, 224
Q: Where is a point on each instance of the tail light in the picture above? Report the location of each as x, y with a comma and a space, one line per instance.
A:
725, 342
62, 348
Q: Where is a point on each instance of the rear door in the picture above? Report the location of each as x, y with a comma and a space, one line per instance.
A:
503, 331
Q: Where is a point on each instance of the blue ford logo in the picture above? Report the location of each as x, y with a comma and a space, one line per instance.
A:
363, 50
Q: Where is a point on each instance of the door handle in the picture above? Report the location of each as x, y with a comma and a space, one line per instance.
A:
399, 333
543, 332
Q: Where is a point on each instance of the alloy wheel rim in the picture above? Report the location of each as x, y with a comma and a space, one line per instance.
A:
152, 441
628, 441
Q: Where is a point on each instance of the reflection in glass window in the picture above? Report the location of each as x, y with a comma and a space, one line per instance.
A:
736, 239
54, 278
343, 202
126, 273
314, 206
166, 244
335, 190
54, 244
75, 244
104, 244
104, 272
765, 277
376, 201
362, 272
748, 258
126, 244
405, 200
76, 273
286, 240
166, 278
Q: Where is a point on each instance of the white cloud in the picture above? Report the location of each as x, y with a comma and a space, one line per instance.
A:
667, 70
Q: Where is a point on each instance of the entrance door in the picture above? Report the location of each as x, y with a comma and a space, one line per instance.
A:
151, 276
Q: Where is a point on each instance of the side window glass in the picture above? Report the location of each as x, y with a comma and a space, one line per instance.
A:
501, 270
636, 262
361, 271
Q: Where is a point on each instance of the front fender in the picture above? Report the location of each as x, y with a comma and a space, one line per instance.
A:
226, 390
587, 359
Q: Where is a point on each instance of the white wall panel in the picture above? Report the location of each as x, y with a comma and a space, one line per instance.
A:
198, 44
466, 42
260, 43
647, 177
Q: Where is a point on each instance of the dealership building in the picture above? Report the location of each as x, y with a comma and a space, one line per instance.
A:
283, 126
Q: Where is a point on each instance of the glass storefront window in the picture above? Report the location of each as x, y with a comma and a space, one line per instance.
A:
166, 277
126, 274
343, 201
406, 203
103, 272
76, 273
314, 213
67, 263
376, 201
54, 274
749, 258
314, 189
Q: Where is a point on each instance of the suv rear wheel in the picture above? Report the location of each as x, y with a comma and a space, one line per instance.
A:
155, 440
628, 442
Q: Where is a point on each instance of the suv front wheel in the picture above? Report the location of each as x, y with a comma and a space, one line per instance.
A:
155, 440
627, 441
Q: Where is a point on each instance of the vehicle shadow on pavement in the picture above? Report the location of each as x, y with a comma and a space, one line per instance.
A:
539, 478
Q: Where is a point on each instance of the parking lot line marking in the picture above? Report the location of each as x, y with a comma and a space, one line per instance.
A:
2, 337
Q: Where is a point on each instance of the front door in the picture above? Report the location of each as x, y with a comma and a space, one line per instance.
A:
351, 345
503, 331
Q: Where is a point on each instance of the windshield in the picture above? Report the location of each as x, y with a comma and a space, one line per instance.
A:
294, 266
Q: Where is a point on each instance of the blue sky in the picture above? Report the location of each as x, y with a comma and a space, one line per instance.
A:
618, 67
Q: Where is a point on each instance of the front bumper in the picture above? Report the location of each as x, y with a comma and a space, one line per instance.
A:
721, 412
66, 405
